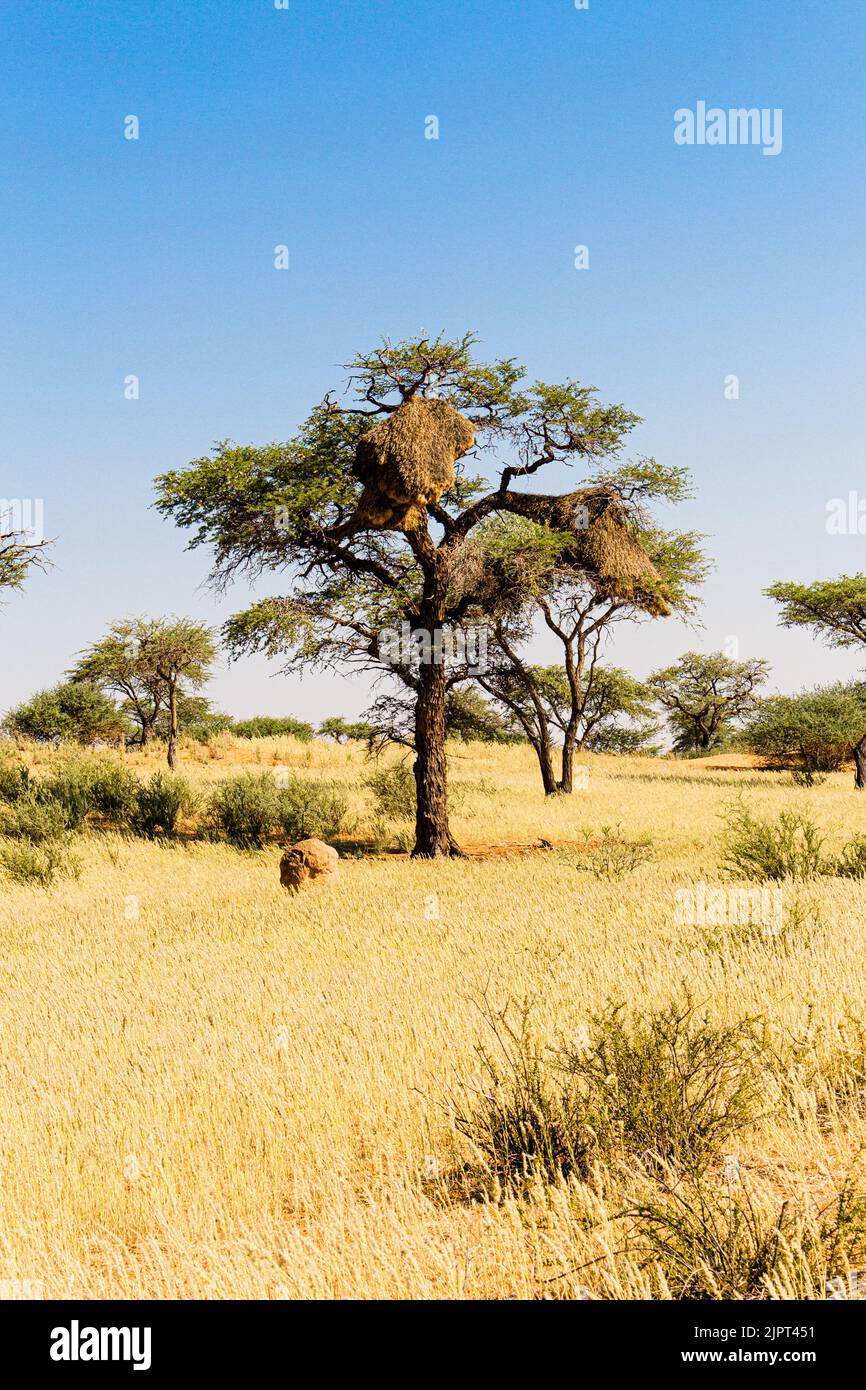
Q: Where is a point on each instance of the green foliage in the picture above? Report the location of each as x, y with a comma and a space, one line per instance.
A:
852, 861
722, 1241
34, 818
15, 780
834, 608
246, 809
307, 808
38, 864
341, 731
19, 552
471, 718
273, 726
667, 1086
705, 694
661, 1087
75, 710
81, 785
206, 727
394, 791
250, 808
812, 732
791, 846
159, 804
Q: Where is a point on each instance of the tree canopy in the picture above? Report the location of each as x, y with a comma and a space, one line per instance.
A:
291, 509
704, 693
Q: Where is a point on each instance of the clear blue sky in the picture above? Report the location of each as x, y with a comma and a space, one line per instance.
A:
261, 126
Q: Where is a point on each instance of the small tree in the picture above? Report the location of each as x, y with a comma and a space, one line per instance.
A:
342, 731
179, 654
581, 613
813, 732
704, 695
835, 610
618, 714
72, 710
116, 663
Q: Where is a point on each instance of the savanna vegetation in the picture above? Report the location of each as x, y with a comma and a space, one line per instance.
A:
582, 1015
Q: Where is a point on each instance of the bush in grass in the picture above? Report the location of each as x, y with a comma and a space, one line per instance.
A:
246, 809
668, 1084
307, 808
724, 1240
662, 1087
82, 785
159, 804
250, 808
791, 846
15, 780
39, 864
394, 791
270, 726
34, 819
852, 861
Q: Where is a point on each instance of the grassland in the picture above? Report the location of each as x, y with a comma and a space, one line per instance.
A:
213, 1089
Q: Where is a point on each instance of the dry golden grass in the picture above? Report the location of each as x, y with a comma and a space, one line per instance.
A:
212, 1089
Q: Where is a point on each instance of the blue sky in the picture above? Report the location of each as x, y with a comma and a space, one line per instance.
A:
305, 126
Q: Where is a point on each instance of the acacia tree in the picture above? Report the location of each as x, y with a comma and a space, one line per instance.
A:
180, 654
704, 694
292, 508
20, 552
116, 663
835, 610
581, 614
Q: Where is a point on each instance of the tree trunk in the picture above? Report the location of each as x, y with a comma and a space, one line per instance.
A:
545, 762
172, 726
432, 835
859, 751
566, 783
574, 674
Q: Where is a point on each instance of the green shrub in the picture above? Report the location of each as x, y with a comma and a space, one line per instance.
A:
663, 1087
250, 808
34, 819
852, 861
15, 780
82, 785
270, 726
72, 710
812, 732
40, 864
246, 809
714, 1238
159, 804
307, 808
668, 1085
394, 791
789, 847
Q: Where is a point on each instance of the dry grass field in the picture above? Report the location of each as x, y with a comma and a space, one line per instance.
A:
214, 1089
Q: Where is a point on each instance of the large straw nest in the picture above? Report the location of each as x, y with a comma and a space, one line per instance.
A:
600, 544
407, 461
